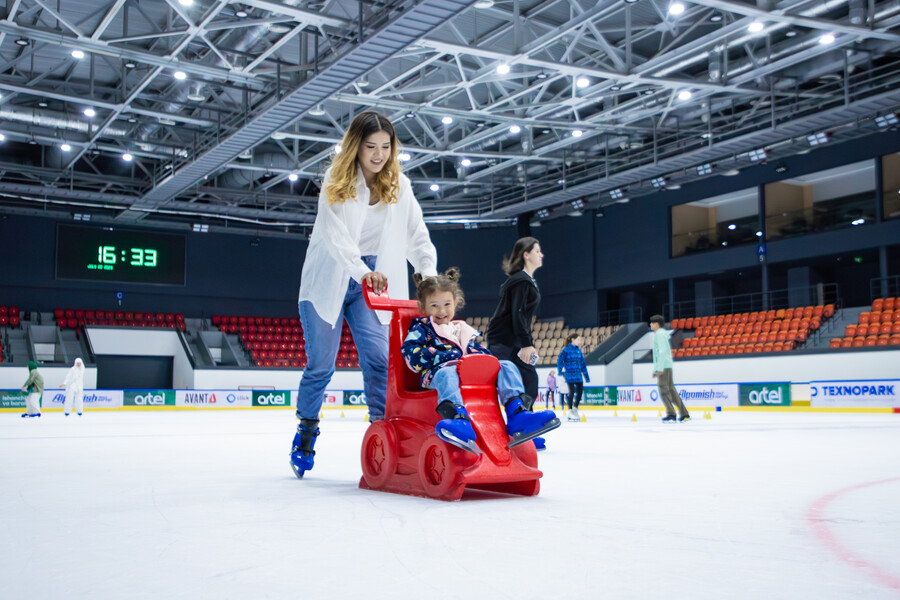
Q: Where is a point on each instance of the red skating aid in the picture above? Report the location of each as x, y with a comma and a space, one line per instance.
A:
402, 454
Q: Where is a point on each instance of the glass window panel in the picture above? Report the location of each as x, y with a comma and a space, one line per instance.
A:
713, 223
891, 180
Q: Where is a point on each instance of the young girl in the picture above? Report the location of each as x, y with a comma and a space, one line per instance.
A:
571, 366
435, 344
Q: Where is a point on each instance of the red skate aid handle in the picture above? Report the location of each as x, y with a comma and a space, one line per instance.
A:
382, 301
478, 369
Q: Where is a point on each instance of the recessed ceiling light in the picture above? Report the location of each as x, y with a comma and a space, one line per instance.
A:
503, 68
582, 82
127, 157
65, 147
465, 162
90, 112
446, 120
434, 187
404, 156
685, 95
293, 177
515, 129
756, 26
676, 8
179, 75
77, 54
577, 133
826, 39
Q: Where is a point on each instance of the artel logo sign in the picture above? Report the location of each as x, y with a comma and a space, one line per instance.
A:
354, 398
770, 394
150, 398
279, 398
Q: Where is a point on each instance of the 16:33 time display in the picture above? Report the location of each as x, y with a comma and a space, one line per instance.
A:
107, 256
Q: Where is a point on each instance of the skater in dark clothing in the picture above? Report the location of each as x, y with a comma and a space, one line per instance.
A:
509, 330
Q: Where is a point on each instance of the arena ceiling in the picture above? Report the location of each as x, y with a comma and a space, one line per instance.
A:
230, 111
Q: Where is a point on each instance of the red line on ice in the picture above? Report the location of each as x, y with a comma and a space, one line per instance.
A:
815, 515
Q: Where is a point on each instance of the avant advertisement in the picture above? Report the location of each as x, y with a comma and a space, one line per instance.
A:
92, 399
214, 398
692, 394
871, 393
599, 396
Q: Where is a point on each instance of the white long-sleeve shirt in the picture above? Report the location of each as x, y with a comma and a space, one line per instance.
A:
334, 257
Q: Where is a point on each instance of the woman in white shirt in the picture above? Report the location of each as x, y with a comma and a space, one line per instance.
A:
367, 226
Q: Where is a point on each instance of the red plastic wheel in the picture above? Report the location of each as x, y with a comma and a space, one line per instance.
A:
439, 469
380, 449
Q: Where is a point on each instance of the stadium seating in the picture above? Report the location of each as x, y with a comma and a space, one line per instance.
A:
9, 316
780, 330
879, 326
72, 318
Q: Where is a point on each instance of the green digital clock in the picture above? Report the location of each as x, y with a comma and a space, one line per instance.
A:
119, 255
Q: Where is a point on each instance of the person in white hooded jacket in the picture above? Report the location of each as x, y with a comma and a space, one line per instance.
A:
74, 385
368, 226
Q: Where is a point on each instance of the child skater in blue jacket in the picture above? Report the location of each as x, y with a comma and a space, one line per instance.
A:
433, 346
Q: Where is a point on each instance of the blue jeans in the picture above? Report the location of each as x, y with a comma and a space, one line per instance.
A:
323, 342
446, 382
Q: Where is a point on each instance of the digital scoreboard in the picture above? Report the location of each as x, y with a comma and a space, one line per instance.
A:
116, 255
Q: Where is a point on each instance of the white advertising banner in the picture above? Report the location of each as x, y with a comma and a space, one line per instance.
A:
92, 399
717, 394
214, 398
333, 399
871, 393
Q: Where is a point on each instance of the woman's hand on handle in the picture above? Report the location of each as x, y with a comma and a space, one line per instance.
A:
377, 280
525, 354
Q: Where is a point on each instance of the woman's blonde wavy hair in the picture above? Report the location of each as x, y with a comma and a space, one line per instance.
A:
342, 181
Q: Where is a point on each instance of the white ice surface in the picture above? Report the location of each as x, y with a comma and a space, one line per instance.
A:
195, 505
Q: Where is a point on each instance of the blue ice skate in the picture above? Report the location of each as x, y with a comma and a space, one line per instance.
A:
456, 428
302, 453
29, 415
523, 425
540, 444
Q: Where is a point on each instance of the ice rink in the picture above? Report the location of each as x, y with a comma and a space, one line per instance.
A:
203, 504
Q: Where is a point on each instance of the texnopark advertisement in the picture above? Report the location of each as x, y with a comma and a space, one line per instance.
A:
868, 393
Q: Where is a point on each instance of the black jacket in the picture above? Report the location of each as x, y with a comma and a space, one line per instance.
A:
511, 324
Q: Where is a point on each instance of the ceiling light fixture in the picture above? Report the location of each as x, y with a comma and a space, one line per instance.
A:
241, 13
732, 227
543, 213
756, 26
65, 147
130, 65
715, 18
2, 137
90, 112
731, 173
434, 187
658, 182
887, 120
816, 139
704, 169
482, 4
127, 157
404, 157
22, 42
541, 75
826, 39
465, 162
201, 227
758, 155
582, 82
676, 8
186, 2
578, 204
337, 148
446, 120
317, 110
293, 177
502, 69
77, 54
514, 129
685, 95
577, 133
179, 75
616, 194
